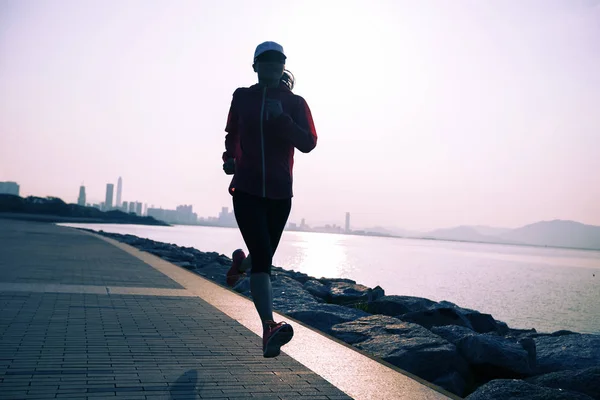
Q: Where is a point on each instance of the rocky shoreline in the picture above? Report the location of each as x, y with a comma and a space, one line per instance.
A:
462, 350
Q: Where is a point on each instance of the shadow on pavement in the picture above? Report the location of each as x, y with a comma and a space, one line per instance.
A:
186, 386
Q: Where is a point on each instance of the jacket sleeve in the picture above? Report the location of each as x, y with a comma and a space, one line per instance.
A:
232, 139
299, 128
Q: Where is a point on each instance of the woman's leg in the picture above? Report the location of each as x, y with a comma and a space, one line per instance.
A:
278, 212
252, 217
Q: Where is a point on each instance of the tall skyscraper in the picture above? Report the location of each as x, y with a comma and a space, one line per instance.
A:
138, 208
81, 198
347, 222
108, 203
119, 192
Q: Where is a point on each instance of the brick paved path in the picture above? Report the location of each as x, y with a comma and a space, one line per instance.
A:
64, 333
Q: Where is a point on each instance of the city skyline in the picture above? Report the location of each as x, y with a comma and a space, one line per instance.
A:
205, 217
184, 214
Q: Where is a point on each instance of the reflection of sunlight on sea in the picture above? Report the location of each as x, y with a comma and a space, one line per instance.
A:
320, 256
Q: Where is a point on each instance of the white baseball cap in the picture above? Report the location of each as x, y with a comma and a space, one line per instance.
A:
268, 46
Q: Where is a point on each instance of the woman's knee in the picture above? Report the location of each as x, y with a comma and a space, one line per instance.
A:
261, 263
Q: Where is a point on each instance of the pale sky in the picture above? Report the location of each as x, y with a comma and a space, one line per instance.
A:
429, 114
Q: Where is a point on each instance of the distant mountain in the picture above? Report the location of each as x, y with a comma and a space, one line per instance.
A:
489, 230
378, 229
466, 233
392, 231
557, 233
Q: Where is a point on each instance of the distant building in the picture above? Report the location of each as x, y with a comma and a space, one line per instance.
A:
347, 222
181, 215
9, 188
157, 213
124, 207
119, 192
108, 202
145, 209
185, 215
131, 207
138, 208
328, 229
227, 218
81, 198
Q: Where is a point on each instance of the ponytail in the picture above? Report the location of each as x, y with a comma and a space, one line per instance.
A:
288, 79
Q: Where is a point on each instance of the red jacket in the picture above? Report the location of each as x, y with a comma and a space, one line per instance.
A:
263, 148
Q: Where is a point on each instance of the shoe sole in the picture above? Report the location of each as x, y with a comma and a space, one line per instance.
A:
278, 339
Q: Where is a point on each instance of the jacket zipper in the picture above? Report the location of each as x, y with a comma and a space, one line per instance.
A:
262, 143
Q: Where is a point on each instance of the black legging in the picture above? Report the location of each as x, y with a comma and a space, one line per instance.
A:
261, 222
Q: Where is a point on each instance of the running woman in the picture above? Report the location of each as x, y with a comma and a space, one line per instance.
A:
266, 122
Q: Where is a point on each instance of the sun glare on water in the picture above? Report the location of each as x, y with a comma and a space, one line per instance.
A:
321, 255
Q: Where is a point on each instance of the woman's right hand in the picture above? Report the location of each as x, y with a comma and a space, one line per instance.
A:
229, 166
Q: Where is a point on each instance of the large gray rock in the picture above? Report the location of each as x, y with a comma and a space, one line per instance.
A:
495, 357
221, 259
479, 322
187, 257
397, 305
289, 295
567, 352
490, 356
517, 334
351, 293
299, 276
329, 281
528, 344
408, 346
129, 239
324, 316
184, 264
452, 333
562, 332
485, 323
165, 253
453, 382
586, 381
243, 286
316, 288
514, 389
438, 316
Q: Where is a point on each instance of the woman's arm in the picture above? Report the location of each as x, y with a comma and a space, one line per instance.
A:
232, 139
299, 129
